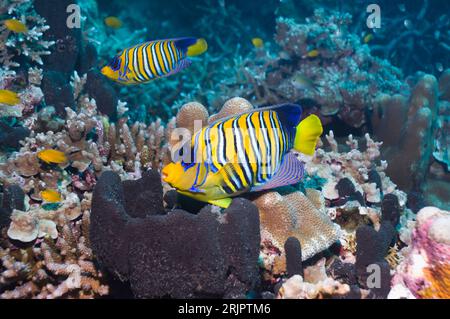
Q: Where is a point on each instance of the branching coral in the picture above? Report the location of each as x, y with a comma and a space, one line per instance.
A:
343, 78
29, 43
30, 93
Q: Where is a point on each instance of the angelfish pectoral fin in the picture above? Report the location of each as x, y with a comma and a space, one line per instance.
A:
223, 202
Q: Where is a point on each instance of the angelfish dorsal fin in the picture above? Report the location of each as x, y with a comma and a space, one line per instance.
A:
290, 172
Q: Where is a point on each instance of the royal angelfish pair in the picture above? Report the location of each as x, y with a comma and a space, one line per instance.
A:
257, 150
151, 60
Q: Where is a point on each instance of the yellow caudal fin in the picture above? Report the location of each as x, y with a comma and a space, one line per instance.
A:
197, 48
308, 132
223, 202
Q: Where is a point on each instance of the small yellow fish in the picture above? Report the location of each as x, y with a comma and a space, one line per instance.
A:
313, 53
51, 196
368, 38
301, 81
258, 42
15, 26
9, 97
52, 156
113, 22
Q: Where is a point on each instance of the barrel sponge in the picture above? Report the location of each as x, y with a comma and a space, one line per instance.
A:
109, 220
176, 253
294, 214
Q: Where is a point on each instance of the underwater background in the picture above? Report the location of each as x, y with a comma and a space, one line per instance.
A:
84, 212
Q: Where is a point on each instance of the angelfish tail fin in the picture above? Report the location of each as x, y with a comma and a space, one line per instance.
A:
307, 135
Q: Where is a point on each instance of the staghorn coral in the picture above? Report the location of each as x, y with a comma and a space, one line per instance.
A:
28, 44
30, 94
424, 271
51, 269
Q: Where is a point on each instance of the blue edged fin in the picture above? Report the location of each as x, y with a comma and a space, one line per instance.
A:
290, 172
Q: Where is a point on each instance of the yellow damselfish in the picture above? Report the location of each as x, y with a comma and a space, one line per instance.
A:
52, 156
313, 53
15, 26
113, 22
51, 196
257, 150
9, 97
258, 42
151, 60
368, 38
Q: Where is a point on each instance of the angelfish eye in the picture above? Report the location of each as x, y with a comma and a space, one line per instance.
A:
115, 64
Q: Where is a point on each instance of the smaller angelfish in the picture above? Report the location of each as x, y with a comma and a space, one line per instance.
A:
52, 156
15, 26
257, 42
9, 97
51, 196
113, 22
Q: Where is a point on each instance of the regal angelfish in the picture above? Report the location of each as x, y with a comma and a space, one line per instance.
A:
257, 150
151, 60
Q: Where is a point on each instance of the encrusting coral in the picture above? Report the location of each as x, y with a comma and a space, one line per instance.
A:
425, 269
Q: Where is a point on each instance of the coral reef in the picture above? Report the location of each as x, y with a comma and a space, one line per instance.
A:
30, 43
51, 269
347, 230
26, 85
175, 254
424, 271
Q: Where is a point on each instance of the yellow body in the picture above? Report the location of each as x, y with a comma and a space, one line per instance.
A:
52, 156
313, 53
51, 196
258, 42
113, 22
151, 60
15, 26
9, 97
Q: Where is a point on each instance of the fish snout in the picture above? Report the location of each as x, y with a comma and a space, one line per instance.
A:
166, 176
